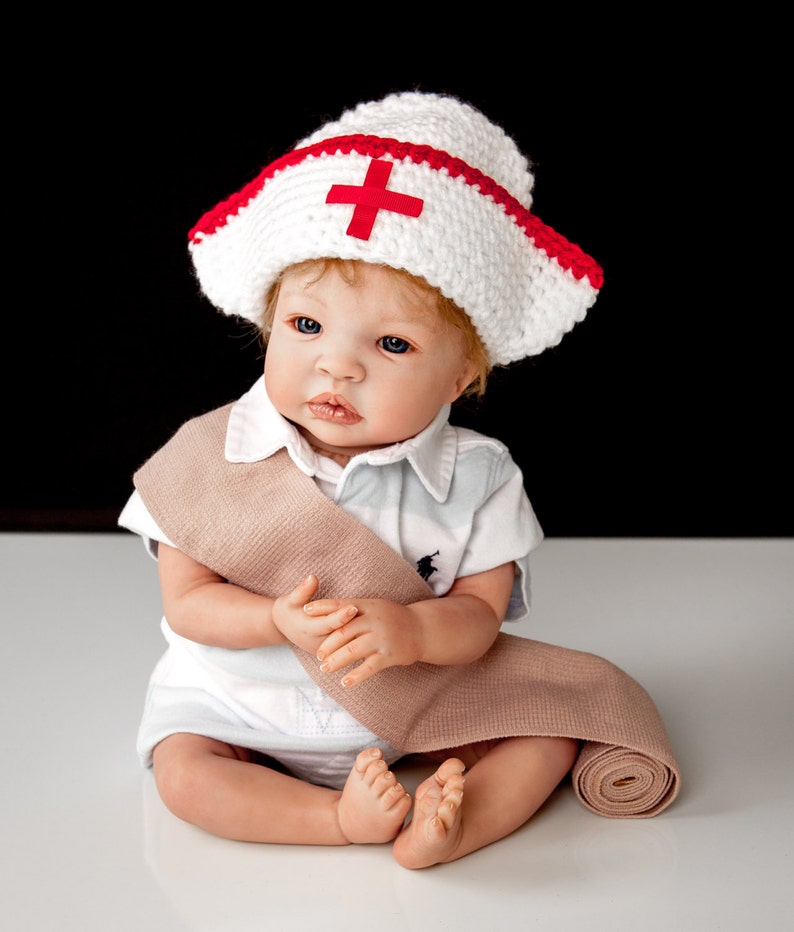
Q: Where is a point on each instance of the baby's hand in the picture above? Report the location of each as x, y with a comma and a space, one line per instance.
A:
309, 630
379, 634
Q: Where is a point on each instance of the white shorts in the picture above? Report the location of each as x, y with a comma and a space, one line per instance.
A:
261, 699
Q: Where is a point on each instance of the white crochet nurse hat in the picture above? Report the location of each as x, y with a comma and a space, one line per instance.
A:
421, 182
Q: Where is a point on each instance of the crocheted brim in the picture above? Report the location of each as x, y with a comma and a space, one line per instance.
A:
385, 184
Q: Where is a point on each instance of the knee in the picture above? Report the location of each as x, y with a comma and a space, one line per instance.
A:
177, 783
560, 754
554, 756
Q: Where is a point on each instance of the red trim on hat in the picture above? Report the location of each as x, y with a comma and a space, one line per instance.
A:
568, 255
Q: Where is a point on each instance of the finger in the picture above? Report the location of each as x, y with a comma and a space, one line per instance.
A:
342, 636
324, 606
356, 651
366, 669
304, 591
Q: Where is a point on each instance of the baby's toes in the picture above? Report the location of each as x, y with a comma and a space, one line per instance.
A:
393, 794
365, 758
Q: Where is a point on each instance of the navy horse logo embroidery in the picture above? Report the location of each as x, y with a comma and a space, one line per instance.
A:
425, 566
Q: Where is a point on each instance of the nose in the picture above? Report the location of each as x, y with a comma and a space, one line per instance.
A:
341, 365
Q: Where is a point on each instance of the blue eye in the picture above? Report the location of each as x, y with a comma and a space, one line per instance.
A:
307, 325
394, 344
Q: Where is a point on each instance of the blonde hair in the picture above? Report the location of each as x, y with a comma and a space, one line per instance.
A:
449, 312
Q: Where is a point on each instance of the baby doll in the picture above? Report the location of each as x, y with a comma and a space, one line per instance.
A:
336, 559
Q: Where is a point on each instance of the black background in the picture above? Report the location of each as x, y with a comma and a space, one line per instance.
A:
665, 413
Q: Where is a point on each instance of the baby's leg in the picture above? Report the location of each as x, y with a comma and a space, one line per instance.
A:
503, 789
219, 788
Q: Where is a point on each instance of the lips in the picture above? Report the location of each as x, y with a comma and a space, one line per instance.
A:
334, 408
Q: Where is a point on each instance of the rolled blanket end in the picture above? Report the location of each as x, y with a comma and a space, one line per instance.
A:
621, 783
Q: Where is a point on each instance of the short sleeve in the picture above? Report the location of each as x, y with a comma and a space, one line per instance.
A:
505, 529
135, 517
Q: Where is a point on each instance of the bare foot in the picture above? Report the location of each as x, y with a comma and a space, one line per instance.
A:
434, 832
373, 805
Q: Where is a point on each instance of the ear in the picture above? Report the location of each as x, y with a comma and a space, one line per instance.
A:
465, 379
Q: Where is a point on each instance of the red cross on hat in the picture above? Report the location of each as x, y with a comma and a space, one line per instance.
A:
371, 197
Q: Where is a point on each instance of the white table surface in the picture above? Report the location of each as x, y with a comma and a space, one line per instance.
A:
707, 627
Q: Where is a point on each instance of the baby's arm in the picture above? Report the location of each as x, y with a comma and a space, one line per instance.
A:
202, 606
457, 628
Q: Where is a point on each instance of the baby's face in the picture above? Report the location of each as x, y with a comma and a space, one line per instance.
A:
359, 366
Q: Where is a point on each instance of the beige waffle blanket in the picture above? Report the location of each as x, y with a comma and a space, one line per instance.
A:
266, 525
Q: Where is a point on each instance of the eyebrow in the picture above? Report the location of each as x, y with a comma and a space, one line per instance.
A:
408, 320
289, 290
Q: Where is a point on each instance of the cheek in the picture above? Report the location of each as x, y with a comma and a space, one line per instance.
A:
277, 352
420, 398
270, 365
276, 381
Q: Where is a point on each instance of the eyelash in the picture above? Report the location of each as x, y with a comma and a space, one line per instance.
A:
394, 345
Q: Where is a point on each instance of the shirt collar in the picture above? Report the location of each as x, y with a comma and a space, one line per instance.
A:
256, 431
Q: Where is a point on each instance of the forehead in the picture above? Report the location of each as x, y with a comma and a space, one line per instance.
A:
393, 289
